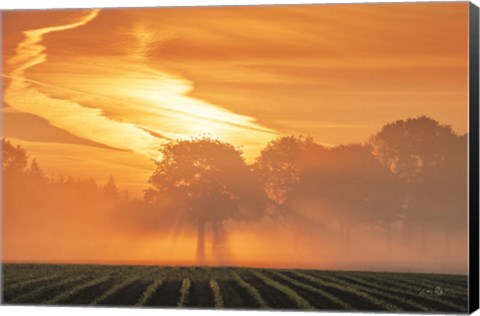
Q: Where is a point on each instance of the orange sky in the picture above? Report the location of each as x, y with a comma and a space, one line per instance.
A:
94, 93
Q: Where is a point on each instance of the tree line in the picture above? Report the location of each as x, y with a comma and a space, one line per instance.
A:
36, 203
411, 174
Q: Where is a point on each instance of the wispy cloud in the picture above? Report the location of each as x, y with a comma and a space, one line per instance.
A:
147, 37
90, 123
169, 97
129, 103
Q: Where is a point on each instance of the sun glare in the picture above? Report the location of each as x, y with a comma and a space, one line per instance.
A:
175, 115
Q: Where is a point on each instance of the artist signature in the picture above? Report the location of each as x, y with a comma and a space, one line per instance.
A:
429, 292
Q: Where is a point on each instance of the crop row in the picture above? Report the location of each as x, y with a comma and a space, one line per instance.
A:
242, 288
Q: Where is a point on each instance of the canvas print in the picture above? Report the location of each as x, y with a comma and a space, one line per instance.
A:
290, 157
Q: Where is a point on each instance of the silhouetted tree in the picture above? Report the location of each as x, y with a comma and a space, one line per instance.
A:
383, 194
430, 159
440, 198
110, 188
411, 148
203, 182
35, 173
340, 184
279, 167
14, 185
14, 158
346, 187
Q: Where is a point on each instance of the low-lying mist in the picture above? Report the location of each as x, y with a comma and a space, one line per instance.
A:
99, 236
